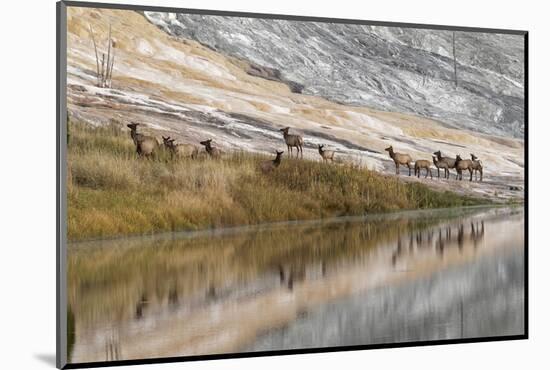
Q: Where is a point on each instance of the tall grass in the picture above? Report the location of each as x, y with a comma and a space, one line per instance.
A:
113, 192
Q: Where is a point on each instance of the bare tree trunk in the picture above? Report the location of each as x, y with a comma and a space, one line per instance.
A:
111, 69
96, 56
454, 58
102, 73
105, 69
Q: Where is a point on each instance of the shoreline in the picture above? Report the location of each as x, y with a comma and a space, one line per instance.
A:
228, 230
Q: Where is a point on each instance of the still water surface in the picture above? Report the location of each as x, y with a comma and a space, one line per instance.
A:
407, 276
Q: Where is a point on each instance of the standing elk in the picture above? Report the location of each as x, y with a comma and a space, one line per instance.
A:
145, 145
441, 164
326, 154
293, 141
478, 167
450, 162
420, 164
461, 165
400, 159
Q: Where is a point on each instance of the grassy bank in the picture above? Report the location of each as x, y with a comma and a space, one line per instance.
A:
112, 192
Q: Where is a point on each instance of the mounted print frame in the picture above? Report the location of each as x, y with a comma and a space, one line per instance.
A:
237, 184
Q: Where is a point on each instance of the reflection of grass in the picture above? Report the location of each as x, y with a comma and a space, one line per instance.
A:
70, 333
112, 192
106, 281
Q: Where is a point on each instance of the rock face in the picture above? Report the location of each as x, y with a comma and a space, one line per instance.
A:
389, 68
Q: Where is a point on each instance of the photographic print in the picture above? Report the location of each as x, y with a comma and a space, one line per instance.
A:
239, 184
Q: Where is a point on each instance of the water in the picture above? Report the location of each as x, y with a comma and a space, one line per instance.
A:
399, 277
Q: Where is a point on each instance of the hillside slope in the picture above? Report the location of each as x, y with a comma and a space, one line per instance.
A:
178, 87
388, 68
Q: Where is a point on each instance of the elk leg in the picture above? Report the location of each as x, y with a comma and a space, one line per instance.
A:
480, 175
396, 168
409, 165
471, 173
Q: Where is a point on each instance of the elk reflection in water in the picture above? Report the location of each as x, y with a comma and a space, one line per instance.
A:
456, 234
216, 292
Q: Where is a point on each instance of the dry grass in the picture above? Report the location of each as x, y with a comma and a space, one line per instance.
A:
113, 192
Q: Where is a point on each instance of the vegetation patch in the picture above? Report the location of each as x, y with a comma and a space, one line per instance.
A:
113, 192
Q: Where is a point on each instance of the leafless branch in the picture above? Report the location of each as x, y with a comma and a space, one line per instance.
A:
104, 69
96, 56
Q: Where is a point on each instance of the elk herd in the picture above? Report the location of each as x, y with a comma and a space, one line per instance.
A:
147, 146
473, 166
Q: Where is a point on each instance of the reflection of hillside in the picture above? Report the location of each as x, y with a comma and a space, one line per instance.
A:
195, 271
194, 287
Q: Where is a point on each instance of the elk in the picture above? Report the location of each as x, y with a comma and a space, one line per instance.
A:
461, 165
399, 159
268, 166
145, 145
180, 150
326, 154
441, 164
477, 234
451, 162
293, 141
212, 151
478, 167
167, 142
289, 275
420, 164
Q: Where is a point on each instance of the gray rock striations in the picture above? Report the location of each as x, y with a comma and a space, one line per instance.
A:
387, 68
